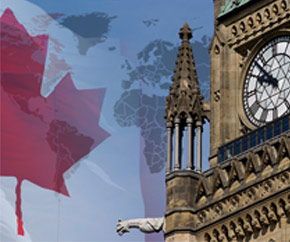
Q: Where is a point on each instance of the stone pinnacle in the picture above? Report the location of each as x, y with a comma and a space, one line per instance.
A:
185, 32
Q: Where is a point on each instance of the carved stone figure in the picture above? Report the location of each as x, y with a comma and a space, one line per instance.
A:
146, 225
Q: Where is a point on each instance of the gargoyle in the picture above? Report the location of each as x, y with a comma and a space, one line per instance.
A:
146, 225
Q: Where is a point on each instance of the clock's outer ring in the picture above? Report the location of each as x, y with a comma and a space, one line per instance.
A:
248, 61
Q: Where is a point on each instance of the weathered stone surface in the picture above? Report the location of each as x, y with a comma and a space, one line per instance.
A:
247, 197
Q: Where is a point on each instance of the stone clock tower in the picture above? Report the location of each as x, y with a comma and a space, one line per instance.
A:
245, 195
249, 57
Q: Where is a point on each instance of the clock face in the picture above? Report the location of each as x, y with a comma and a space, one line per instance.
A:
266, 90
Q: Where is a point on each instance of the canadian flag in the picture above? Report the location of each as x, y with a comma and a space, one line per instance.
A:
42, 135
55, 131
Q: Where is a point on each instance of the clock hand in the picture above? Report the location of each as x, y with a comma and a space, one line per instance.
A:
274, 82
269, 78
262, 69
262, 79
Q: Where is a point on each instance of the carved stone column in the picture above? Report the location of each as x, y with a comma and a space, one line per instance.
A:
190, 134
199, 146
177, 144
169, 147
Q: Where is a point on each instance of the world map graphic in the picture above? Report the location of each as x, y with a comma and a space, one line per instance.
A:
135, 107
142, 103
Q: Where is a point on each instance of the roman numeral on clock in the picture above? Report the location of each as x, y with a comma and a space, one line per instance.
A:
275, 113
251, 93
274, 49
264, 115
254, 108
253, 75
263, 60
287, 104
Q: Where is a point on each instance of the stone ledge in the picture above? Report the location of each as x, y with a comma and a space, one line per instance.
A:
183, 173
244, 222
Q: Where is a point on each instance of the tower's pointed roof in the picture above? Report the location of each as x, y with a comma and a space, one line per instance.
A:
185, 66
185, 99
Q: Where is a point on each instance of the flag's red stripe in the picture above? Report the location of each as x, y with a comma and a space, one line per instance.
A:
20, 229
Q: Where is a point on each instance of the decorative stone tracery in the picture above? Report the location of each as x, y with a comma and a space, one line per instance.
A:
276, 13
228, 191
254, 220
211, 210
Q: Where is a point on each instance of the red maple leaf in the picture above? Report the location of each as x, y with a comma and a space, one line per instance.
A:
41, 138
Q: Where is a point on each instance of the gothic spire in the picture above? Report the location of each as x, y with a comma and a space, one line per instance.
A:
185, 100
185, 72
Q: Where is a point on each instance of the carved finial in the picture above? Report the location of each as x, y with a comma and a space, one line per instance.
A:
185, 32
